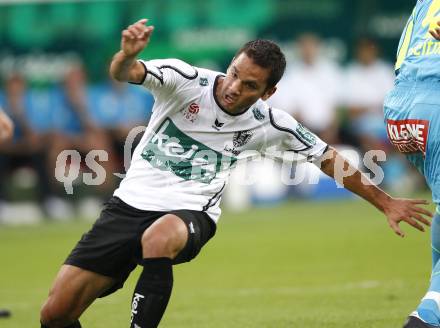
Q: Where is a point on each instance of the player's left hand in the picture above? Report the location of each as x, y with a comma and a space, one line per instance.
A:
436, 32
408, 210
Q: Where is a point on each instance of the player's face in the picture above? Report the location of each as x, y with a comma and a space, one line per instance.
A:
245, 82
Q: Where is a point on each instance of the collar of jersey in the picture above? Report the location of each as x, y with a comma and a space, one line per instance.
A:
218, 103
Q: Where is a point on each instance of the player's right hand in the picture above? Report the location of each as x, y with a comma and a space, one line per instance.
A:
408, 210
136, 37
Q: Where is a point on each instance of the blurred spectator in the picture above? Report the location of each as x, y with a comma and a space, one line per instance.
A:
118, 108
6, 127
29, 147
309, 90
367, 81
79, 131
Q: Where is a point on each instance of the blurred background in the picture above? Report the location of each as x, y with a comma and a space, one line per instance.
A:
54, 59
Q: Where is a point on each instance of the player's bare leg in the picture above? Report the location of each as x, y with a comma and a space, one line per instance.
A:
164, 238
161, 243
73, 290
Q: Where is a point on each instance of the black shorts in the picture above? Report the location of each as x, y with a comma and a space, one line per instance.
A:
113, 246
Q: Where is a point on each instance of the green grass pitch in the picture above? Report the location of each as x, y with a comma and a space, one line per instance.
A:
331, 265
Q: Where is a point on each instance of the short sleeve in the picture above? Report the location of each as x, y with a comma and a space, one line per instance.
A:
291, 136
166, 75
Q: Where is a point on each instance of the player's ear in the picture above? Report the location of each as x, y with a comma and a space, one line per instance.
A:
268, 93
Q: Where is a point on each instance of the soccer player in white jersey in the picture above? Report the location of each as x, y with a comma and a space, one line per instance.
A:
167, 206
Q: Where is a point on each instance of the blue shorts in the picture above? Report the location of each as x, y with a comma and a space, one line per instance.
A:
412, 118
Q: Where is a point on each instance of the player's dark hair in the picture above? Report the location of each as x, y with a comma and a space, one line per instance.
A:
267, 54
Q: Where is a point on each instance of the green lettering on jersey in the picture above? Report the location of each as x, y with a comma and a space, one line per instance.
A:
170, 149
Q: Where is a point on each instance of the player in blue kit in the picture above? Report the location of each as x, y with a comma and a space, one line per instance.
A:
412, 115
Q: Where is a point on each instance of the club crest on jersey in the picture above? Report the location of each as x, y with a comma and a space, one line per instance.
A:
306, 136
241, 138
203, 81
408, 136
259, 116
191, 112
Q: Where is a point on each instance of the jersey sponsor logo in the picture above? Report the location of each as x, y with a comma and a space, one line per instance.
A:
408, 136
170, 149
425, 48
259, 116
217, 124
203, 81
191, 112
306, 135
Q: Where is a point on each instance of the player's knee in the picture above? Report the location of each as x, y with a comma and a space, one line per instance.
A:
165, 238
55, 314
159, 244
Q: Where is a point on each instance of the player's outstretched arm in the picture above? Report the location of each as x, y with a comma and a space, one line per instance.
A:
6, 127
124, 66
395, 209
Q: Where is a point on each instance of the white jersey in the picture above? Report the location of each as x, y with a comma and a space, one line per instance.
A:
191, 143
